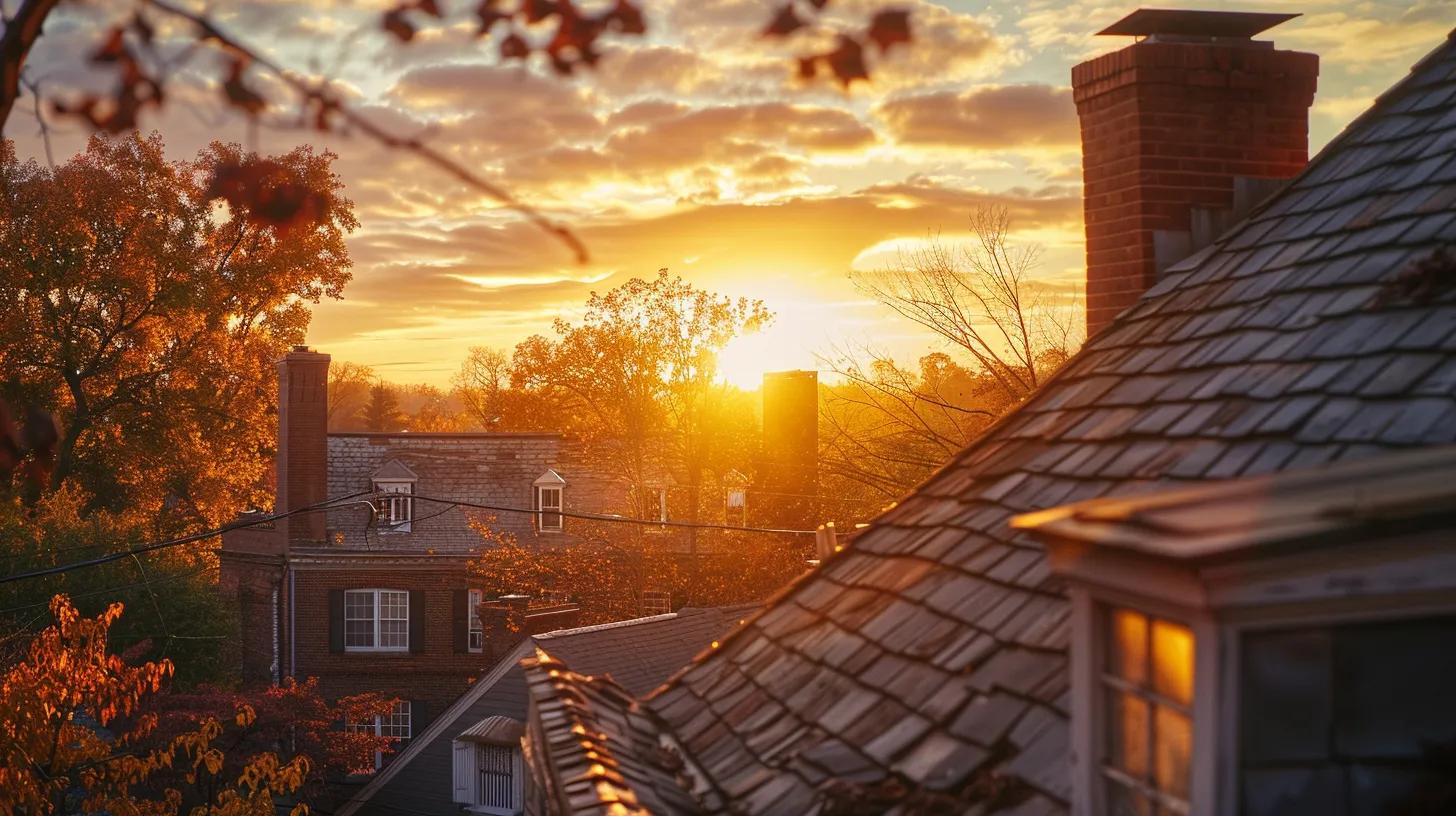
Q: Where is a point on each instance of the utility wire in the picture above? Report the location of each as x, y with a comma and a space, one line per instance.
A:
698, 525
327, 504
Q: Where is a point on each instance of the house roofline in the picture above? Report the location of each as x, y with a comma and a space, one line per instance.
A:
448, 434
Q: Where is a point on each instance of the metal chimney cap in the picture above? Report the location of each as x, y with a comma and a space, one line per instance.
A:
1182, 23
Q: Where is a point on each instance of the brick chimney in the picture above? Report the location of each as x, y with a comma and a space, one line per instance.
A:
303, 461
502, 624
1181, 132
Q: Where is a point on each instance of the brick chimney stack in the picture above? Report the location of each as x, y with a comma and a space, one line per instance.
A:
303, 463
1176, 129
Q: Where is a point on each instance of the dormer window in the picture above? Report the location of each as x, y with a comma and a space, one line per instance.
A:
1146, 690
396, 505
1270, 645
487, 767
395, 484
550, 501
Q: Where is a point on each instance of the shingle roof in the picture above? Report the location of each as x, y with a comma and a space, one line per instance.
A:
642, 652
929, 658
603, 747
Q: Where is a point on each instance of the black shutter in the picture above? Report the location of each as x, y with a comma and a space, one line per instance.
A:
416, 620
460, 619
336, 620
419, 719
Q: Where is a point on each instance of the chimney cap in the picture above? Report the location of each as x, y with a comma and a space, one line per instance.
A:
1148, 22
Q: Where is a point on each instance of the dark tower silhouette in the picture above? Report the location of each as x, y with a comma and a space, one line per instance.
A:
788, 472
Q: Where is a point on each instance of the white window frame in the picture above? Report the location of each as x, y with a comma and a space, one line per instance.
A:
377, 727
376, 608
735, 504
475, 633
1089, 716
396, 512
557, 509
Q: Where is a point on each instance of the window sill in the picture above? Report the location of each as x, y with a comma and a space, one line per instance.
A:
370, 650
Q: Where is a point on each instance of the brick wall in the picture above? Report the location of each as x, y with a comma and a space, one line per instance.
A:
1167, 127
437, 674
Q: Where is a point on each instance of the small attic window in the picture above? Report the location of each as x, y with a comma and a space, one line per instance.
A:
395, 484
550, 500
1146, 690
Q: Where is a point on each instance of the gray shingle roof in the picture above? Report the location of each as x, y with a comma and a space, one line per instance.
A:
641, 653
929, 659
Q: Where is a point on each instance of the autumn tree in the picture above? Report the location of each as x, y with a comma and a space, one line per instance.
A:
349, 385
75, 735
381, 413
886, 427
176, 609
291, 719
146, 316
637, 376
607, 566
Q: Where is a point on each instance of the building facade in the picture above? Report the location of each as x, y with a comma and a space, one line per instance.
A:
372, 593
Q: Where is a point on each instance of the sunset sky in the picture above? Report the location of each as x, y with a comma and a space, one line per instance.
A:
695, 149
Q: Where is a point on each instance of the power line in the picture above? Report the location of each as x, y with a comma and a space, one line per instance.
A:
613, 519
327, 504
116, 588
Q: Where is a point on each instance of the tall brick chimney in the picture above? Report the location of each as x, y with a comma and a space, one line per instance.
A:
303, 462
1180, 133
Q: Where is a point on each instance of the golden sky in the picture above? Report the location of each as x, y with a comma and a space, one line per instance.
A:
695, 149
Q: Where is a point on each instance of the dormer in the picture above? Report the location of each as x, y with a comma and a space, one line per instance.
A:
548, 497
395, 484
1277, 644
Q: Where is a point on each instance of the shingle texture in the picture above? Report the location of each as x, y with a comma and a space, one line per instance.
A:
494, 469
929, 659
639, 653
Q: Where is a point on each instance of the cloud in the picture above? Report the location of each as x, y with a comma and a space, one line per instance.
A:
1007, 116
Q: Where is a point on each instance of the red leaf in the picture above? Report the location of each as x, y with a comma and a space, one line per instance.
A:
514, 47
890, 27
112, 49
489, 15
429, 7
819, 4
627, 18
538, 10
847, 61
395, 23
808, 67
784, 22
240, 95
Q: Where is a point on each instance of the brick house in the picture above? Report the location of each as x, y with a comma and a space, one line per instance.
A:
1228, 587
374, 595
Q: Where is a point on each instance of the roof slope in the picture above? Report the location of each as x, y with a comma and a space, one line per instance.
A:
641, 653
929, 659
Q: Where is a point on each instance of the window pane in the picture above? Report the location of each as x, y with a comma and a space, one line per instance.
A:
1395, 696
394, 605
1127, 645
1127, 733
1173, 661
358, 633
1286, 697
394, 634
1174, 737
1124, 802
397, 722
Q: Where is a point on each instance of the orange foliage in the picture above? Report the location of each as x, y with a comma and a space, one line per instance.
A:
72, 727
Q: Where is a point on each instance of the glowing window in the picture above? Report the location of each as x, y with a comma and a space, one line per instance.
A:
1147, 688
